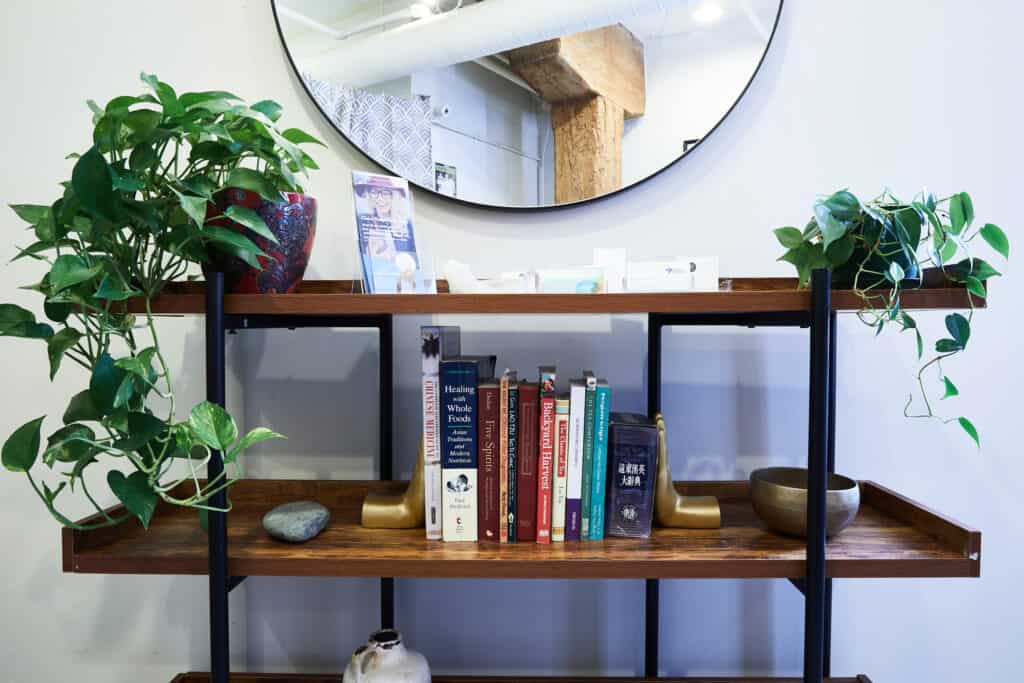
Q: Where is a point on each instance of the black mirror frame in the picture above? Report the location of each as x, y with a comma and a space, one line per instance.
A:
542, 207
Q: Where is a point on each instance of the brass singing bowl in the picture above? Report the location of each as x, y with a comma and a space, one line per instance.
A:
779, 495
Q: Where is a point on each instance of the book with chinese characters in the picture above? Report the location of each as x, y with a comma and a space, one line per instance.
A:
546, 454
488, 498
574, 459
588, 453
459, 450
526, 476
602, 400
392, 262
513, 460
437, 343
632, 469
558, 497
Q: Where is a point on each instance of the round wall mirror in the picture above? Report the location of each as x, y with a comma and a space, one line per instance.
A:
526, 103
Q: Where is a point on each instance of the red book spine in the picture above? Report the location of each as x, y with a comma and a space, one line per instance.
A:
526, 477
545, 468
488, 508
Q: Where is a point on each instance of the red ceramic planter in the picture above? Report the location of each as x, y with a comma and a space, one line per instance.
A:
292, 221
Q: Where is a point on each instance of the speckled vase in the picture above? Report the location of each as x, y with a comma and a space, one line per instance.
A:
292, 221
385, 659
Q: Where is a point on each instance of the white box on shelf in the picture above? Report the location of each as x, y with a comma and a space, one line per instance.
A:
678, 275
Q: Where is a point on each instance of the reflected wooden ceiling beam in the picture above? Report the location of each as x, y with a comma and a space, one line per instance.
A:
593, 80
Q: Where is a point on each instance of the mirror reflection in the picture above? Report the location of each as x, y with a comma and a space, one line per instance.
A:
526, 103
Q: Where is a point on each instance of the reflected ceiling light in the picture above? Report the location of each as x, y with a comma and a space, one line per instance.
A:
708, 13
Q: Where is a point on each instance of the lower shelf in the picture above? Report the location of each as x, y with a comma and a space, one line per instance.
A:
891, 537
288, 678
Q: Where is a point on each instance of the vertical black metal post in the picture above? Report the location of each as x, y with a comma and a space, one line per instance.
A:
651, 586
220, 660
833, 339
817, 477
385, 329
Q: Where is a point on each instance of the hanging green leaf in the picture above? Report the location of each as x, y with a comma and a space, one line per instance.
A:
21, 449
69, 270
951, 389
971, 266
104, 383
213, 426
254, 437
94, 185
82, 408
959, 328
968, 427
194, 207
30, 213
789, 237
843, 205
136, 492
976, 287
996, 239
251, 220
142, 428
58, 345
70, 443
895, 273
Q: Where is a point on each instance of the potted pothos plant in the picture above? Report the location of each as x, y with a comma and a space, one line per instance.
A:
883, 246
139, 211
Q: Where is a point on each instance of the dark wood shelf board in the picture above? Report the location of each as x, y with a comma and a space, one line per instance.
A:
892, 537
339, 297
196, 677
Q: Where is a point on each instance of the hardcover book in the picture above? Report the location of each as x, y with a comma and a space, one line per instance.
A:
392, 264
574, 459
437, 343
513, 459
632, 468
526, 477
459, 450
546, 454
507, 377
588, 453
487, 459
561, 462
602, 399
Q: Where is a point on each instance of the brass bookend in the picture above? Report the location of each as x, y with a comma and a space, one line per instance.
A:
397, 511
672, 509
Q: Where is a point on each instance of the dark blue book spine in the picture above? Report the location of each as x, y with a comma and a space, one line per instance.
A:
459, 450
632, 468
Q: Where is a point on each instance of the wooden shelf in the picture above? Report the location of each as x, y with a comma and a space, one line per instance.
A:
196, 677
336, 297
892, 537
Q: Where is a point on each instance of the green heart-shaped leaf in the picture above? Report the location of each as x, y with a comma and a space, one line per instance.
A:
213, 426
136, 493
21, 449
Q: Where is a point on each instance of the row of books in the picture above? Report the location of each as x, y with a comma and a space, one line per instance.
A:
515, 461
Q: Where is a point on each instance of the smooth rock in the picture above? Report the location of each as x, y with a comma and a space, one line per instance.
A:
296, 522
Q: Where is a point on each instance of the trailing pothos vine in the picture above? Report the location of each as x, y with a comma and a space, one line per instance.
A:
881, 247
138, 213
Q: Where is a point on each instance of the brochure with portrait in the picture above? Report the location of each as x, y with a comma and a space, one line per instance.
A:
393, 262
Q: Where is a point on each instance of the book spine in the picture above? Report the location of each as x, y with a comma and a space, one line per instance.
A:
513, 459
588, 461
436, 343
503, 460
598, 478
632, 468
526, 477
574, 476
558, 505
545, 466
459, 450
489, 508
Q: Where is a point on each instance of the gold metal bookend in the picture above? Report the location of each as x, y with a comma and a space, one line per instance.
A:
397, 511
673, 509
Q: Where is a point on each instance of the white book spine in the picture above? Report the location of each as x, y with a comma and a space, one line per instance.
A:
574, 474
437, 343
560, 488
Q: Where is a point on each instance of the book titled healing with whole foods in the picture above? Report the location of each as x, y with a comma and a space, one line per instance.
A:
459, 460
392, 261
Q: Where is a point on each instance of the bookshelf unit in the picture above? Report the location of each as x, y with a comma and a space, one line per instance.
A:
891, 537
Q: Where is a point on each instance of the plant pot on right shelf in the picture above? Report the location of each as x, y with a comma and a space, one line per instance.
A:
292, 221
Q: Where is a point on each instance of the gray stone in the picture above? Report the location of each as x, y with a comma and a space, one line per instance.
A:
296, 522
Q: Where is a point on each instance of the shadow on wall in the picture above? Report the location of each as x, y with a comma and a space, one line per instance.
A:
735, 399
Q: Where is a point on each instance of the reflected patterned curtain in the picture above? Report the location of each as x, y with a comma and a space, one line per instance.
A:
394, 131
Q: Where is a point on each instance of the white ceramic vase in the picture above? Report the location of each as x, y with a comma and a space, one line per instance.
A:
385, 659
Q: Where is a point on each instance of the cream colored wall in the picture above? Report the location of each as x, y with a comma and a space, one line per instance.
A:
859, 94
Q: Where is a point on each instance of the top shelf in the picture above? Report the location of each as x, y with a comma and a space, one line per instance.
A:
341, 297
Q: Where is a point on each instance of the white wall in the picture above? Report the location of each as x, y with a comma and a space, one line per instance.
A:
858, 94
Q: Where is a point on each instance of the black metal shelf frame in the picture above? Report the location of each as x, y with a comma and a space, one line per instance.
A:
815, 586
